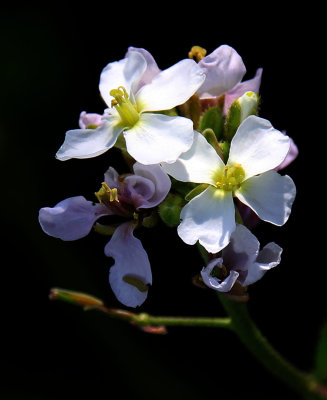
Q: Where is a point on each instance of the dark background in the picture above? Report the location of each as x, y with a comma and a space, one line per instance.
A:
51, 60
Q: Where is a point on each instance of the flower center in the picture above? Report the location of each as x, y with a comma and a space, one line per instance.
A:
126, 109
231, 177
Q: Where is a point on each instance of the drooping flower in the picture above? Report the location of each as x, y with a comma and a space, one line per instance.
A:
135, 91
241, 262
256, 149
224, 69
130, 198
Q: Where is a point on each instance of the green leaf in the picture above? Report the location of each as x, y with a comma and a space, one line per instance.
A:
320, 370
212, 119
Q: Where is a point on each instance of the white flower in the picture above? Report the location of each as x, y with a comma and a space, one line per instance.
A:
256, 149
135, 91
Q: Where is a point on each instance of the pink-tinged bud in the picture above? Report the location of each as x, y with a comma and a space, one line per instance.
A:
78, 298
89, 120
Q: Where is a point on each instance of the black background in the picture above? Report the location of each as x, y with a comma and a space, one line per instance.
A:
51, 60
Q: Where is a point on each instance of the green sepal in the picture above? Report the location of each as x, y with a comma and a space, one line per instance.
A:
212, 119
191, 109
224, 147
181, 188
232, 121
150, 221
107, 230
170, 209
320, 370
210, 136
196, 191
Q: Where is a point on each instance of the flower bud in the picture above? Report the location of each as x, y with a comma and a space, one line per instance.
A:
77, 298
212, 119
240, 109
170, 209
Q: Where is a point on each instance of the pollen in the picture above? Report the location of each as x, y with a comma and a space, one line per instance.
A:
230, 178
197, 53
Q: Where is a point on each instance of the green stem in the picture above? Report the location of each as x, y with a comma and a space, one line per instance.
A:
257, 344
146, 319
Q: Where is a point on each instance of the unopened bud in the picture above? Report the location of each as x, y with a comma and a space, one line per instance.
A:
78, 298
240, 109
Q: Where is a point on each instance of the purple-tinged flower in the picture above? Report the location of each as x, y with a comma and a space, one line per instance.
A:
224, 69
241, 262
129, 197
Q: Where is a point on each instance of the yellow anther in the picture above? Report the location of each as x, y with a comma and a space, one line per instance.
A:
197, 53
126, 109
105, 194
230, 178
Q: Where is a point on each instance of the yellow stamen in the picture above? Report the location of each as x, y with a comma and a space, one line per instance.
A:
126, 109
230, 178
197, 53
105, 193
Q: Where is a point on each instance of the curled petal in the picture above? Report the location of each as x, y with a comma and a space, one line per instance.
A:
242, 249
224, 68
88, 143
224, 285
156, 138
171, 87
269, 195
131, 274
257, 146
71, 219
269, 257
208, 218
160, 180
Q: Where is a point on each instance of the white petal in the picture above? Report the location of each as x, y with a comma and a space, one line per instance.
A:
88, 143
198, 165
152, 68
269, 195
224, 69
131, 260
215, 283
257, 146
242, 249
156, 138
269, 257
171, 87
126, 72
208, 218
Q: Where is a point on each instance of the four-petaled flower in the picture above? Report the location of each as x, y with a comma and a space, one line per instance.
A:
74, 217
135, 91
256, 149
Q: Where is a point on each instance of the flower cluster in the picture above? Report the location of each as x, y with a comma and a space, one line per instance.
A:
201, 158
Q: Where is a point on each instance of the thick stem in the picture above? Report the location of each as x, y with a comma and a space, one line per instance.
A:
257, 344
